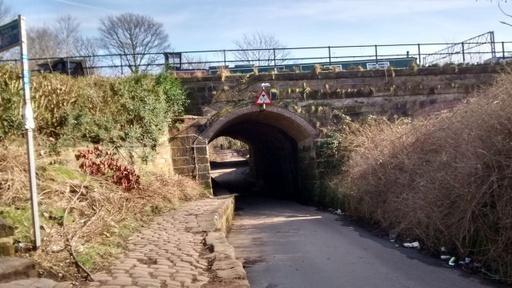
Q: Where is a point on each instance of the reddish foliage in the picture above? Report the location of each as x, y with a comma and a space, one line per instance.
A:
98, 162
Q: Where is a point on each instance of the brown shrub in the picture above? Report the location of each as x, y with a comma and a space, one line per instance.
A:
446, 181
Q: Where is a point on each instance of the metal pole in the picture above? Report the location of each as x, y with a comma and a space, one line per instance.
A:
166, 62
463, 53
274, 51
29, 126
376, 56
329, 49
503, 50
67, 66
493, 45
419, 53
224, 53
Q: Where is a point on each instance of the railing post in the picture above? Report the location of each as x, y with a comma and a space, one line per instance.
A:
493, 45
503, 50
463, 53
67, 66
166, 62
330, 59
376, 56
224, 55
274, 51
49, 64
419, 54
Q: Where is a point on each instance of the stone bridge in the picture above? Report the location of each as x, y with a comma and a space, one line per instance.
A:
284, 138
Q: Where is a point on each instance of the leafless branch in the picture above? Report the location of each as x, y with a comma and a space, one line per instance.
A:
67, 32
135, 36
505, 23
503, 11
261, 49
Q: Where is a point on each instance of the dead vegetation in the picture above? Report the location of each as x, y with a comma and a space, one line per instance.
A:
85, 219
445, 181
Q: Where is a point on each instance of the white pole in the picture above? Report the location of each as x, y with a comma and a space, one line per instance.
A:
29, 126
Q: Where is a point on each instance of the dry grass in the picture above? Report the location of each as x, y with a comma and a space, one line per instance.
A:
446, 181
91, 214
223, 73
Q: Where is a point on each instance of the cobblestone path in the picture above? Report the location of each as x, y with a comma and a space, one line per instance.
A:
170, 252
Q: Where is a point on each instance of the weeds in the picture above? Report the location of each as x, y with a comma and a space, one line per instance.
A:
445, 181
100, 215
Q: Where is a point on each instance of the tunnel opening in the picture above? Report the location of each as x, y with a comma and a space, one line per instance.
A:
273, 165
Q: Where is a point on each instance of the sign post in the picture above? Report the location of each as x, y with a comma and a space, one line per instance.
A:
13, 34
28, 116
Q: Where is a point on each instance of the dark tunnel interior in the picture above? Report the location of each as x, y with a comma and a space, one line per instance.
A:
272, 166
272, 161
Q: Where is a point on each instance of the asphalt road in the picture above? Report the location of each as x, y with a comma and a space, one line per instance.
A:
284, 244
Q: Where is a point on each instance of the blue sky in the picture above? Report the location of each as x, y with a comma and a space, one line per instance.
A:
208, 24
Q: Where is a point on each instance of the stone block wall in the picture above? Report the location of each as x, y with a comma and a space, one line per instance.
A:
303, 87
189, 152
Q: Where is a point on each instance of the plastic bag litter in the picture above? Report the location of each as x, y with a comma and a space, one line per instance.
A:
414, 244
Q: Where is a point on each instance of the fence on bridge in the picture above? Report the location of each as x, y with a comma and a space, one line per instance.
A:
480, 49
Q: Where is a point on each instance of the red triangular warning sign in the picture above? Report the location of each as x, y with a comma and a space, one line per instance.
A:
263, 98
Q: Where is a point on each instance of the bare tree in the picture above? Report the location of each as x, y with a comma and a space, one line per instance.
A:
67, 32
133, 36
261, 48
41, 42
88, 48
194, 62
57, 41
504, 13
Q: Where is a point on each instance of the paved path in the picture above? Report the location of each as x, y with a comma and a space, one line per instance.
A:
288, 245
169, 253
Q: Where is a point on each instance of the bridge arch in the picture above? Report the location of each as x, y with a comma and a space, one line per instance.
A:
281, 144
289, 122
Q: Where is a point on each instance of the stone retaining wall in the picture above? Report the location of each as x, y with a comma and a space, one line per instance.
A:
227, 270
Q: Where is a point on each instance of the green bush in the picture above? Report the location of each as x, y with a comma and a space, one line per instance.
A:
10, 103
125, 112
149, 104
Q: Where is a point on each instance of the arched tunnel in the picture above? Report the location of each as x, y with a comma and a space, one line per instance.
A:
280, 144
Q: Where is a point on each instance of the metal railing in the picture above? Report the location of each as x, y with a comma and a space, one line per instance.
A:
423, 54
